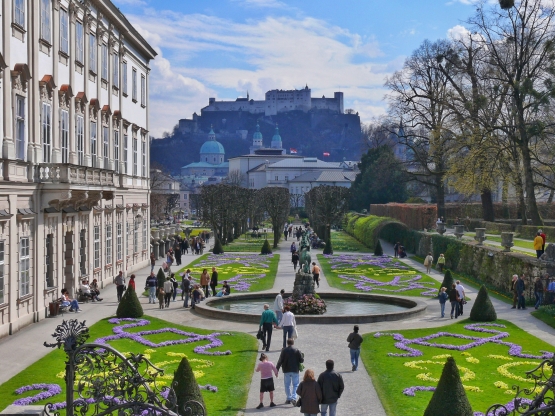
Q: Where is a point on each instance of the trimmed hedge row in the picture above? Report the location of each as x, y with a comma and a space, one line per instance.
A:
415, 216
496, 227
529, 231
368, 229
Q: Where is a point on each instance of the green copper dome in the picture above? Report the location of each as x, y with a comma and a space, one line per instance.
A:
212, 146
257, 135
277, 137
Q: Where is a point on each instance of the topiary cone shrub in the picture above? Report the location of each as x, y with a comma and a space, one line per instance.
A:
266, 249
378, 251
483, 310
328, 249
129, 307
160, 278
185, 386
449, 397
218, 249
447, 281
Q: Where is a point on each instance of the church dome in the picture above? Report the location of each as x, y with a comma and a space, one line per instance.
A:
257, 135
212, 147
277, 137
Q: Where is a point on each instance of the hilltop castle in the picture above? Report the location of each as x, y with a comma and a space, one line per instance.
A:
279, 101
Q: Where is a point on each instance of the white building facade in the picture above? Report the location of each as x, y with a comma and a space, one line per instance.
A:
74, 183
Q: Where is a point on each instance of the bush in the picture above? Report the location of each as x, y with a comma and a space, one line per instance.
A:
129, 307
483, 310
266, 249
185, 386
306, 305
447, 280
378, 250
449, 397
160, 277
218, 249
328, 249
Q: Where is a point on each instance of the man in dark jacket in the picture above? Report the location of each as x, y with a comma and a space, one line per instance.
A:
214, 281
520, 287
332, 387
290, 359
354, 340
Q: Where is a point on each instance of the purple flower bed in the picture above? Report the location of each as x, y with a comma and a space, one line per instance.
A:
411, 391
398, 284
49, 390
120, 333
515, 350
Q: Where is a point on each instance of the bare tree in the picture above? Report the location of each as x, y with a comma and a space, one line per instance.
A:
326, 205
275, 202
235, 177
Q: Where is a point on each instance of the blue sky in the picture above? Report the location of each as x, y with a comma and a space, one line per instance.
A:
222, 48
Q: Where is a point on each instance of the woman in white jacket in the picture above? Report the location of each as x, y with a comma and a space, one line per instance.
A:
288, 324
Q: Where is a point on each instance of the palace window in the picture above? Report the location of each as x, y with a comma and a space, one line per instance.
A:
108, 243
143, 90
125, 149
49, 260
135, 145
93, 144
24, 281
46, 132
19, 16
143, 155
20, 126
124, 70
80, 138
116, 150
134, 85
104, 50
92, 53
115, 77
145, 233
119, 241
83, 252
106, 150
64, 32
79, 42
2, 271
64, 133
45, 11
96, 231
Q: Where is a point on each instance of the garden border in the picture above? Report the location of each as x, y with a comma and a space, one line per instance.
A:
416, 308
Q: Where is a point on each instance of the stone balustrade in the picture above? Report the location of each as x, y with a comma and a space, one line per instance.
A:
76, 175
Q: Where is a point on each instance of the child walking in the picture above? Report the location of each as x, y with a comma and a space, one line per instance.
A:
265, 369
161, 296
443, 296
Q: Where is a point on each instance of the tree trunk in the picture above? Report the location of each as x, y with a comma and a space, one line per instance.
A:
550, 198
529, 186
487, 205
440, 195
276, 234
505, 199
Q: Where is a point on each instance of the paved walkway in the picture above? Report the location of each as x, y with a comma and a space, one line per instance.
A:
318, 342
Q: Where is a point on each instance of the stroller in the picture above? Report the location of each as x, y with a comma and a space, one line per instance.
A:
402, 252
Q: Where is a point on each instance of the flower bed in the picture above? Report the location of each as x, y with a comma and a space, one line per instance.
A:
492, 357
164, 344
376, 274
243, 271
306, 305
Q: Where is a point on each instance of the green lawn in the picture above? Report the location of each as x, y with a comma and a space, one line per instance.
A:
231, 374
480, 366
341, 241
368, 273
245, 272
247, 244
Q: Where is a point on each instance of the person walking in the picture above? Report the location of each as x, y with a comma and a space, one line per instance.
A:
538, 292
169, 260
454, 299
332, 386
311, 394
214, 281
396, 249
285, 232
168, 289
316, 274
441, 262
538, 244
295, 260
161, 297
205, 281
513, 289
287, 323
119, 280
278, 305
544, 237
267, 321
289, 361
354, 340
175, 286
520, 287
443, 296
266, 368
185, 288
462, 295
132, 282
152, 261
150, 285
428, 261
293, 248
178, 254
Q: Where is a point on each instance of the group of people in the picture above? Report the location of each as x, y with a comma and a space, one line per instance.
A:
290, 231
429, 262
399, 250
539, 243
456, 296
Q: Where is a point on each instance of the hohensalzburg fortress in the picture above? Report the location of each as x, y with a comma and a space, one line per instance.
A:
280, 101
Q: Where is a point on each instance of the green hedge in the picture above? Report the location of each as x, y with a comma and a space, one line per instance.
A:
368, 229
529, 231
496, 227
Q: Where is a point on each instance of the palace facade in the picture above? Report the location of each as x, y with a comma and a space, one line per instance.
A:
74, 167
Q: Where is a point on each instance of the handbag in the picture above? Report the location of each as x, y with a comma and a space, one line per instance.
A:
298, 403
295, 333
260, 334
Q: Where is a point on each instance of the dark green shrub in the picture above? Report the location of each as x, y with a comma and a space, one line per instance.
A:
449, 397
266, 249
378, 250
129, 307
483, 310
506, 4
161, 278
185, 386
328, 249
447, 281
218, 249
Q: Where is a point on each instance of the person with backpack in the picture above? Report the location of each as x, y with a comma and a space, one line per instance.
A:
428, 261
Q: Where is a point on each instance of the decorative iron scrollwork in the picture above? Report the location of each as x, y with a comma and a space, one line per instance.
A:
101, 381
537, 400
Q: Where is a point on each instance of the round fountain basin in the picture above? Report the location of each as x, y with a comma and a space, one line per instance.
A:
341, 308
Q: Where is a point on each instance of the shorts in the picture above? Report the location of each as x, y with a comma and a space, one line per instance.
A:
266, 384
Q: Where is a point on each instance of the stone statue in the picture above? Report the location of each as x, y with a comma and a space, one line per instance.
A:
305, 259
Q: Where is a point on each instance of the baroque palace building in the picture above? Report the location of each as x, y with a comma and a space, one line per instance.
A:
74, 168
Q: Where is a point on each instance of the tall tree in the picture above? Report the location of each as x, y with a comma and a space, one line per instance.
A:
381, 179
326, 205
275, 202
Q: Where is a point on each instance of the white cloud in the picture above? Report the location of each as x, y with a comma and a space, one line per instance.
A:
276, 52
458, 32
